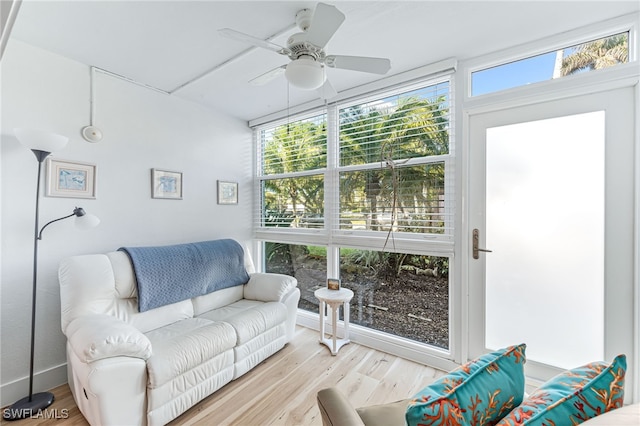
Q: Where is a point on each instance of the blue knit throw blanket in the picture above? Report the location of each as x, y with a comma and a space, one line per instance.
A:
169, 274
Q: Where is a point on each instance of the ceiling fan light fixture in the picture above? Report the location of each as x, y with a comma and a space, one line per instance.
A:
305, 73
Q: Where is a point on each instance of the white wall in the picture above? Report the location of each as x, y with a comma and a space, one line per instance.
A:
142, 129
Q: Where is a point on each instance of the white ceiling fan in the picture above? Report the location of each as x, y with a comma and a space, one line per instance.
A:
306, 51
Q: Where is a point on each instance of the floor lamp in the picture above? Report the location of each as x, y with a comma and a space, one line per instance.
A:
41, 144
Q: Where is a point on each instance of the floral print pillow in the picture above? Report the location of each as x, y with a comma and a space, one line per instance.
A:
574, 396
478, 393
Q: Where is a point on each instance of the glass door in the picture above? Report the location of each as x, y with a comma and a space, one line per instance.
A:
551, 220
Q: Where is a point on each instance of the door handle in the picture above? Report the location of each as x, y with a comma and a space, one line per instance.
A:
476, 241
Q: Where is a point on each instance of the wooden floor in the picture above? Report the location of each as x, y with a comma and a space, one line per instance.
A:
282, 390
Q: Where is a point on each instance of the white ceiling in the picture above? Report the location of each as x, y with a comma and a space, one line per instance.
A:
166, 44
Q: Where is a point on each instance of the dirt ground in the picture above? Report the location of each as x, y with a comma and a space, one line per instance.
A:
410, 305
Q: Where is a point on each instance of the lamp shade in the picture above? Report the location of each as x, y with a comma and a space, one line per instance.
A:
305, 73
86, 221
41, 141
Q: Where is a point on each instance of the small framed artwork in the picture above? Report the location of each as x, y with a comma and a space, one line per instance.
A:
227, 192
166, 184
70, 179
333, 284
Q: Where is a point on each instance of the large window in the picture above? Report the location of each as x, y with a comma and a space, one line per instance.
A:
391, 166
391, 171
400, 294
292, 156
363, 191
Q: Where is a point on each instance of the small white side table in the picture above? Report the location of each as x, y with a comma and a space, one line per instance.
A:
334, 298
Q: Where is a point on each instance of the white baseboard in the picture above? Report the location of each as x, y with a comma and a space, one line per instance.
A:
42, 381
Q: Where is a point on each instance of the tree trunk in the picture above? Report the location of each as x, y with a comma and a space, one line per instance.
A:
557, 67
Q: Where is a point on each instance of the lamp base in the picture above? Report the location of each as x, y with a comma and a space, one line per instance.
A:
25, 408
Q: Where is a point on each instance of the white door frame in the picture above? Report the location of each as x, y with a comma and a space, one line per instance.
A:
541, 108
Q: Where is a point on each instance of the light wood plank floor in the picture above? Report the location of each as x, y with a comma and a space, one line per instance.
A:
282, 389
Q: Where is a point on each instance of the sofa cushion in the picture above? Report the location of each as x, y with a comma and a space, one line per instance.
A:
230, 309
477, 393
181, 346
217, 299
574, 396
250, 318
166, 402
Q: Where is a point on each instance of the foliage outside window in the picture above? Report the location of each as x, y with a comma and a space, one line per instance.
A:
392, 175
405, 295
389, 173
291, 197
296, 202
396, 293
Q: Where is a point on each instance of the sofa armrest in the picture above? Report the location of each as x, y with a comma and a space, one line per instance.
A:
93, 337
268, 287
336, 410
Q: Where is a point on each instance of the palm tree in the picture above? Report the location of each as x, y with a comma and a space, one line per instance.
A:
417, 128
295, 147
413, 127
360, 144
597, 54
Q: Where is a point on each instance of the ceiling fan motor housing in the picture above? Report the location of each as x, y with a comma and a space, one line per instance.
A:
298, 46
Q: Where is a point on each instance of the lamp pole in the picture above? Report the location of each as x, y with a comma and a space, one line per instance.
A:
41, 144
45, 397
30, 405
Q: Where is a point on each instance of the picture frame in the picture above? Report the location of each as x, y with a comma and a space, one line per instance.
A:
227, 192
71, 179
333, 284
166, 184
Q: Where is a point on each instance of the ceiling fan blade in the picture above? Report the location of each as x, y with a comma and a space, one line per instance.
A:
359, 63
237, 35
326, 91
325, 22
267, 76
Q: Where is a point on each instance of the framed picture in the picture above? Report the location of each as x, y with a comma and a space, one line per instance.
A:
333, 284
166, 184
227, 192
70, 179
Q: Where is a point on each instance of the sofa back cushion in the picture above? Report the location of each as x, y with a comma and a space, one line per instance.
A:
105, 284
217, 299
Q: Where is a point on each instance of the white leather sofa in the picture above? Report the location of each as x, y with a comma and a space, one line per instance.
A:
134, 368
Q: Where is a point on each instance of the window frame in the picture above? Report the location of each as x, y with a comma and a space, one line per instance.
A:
334, 239
426, 244
624, 24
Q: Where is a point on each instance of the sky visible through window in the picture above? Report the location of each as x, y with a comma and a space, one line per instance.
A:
514, 74
541, 67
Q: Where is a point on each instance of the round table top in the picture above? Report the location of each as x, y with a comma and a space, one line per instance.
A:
342, 295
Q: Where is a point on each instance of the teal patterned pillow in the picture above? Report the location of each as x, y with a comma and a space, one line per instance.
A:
574, 396
480, 392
